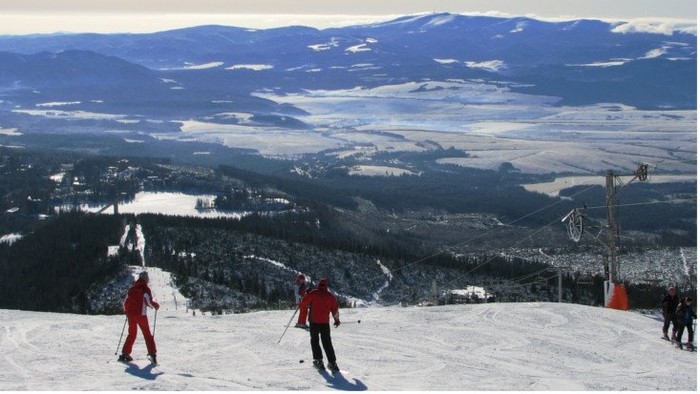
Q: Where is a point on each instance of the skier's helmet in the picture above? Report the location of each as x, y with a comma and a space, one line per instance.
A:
144, 275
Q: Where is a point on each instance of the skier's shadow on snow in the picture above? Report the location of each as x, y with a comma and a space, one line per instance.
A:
339, 382
143, 373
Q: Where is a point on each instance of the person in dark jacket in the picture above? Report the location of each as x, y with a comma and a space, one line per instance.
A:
321, 303
136, 303
685, 315
668, 309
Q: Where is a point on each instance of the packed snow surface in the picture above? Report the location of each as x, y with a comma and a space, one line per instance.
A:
495, 346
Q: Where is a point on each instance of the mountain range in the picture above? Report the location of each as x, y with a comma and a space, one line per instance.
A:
208, 70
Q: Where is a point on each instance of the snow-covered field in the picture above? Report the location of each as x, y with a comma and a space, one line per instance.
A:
488, 120
494, 125
553, 188
526, 346
168, 203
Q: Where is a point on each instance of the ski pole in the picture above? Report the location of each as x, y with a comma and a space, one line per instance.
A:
290, 322
155, 317
120, 337
352, 322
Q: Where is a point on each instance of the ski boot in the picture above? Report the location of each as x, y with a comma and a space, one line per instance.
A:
333, 366
152, 359
319, 364
125, 358
689, 346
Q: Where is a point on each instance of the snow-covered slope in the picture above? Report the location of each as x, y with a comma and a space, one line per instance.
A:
528, 346
164, 290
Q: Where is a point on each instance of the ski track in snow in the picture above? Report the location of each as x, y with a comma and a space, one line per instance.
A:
497, 346
386, 284
273, 262
141, 243
122, 241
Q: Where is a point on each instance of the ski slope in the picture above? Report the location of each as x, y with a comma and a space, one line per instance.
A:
501, 346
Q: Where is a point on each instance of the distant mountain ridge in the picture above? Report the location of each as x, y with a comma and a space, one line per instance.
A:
70, 68
580, 61
412, 39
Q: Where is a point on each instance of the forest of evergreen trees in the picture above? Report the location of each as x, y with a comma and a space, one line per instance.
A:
222, 263
52, 268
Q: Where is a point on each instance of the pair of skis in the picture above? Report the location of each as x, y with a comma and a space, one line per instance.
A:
679, 346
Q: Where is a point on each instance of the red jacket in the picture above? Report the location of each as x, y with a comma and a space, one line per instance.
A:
321, 303
138, 298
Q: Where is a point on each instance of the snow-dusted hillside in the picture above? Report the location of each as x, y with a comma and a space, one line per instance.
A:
529, 346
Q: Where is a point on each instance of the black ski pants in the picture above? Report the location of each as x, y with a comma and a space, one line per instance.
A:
681, 326
322, 330
669, 320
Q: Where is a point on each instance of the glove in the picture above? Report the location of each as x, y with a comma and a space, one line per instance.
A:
336, 324
156, 305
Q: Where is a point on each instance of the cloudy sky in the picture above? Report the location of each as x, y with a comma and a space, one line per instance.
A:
137, 16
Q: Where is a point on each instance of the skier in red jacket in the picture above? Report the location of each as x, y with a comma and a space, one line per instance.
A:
136, 303
300, 290
320, 303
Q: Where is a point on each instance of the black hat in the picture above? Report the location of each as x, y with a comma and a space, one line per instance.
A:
323, 283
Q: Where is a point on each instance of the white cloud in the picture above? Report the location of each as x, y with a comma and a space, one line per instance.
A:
667, 27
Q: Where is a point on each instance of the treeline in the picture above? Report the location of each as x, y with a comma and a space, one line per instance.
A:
318, 226
223, 264
53, 268
452, 188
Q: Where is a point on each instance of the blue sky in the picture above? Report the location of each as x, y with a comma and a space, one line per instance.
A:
49, 16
